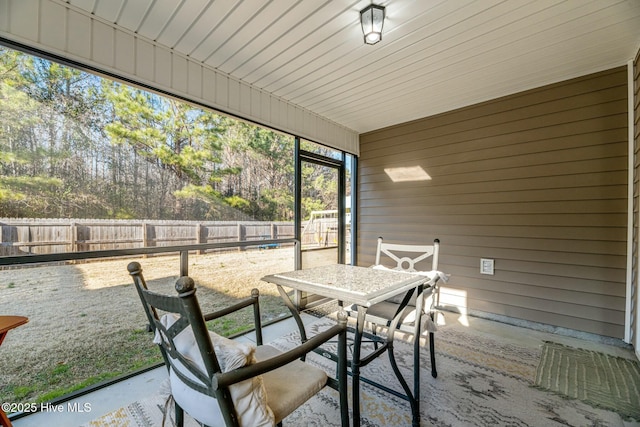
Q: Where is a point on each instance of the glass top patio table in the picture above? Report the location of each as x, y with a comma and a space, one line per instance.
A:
364, 287
360, 285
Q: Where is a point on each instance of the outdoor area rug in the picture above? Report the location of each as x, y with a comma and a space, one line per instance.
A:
599, 379
149, 412
481, 382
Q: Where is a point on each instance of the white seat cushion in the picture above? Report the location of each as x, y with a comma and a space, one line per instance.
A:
249, 396
291, 385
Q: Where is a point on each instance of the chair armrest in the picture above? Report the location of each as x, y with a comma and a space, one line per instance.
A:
253, 300
237, 375
246, 302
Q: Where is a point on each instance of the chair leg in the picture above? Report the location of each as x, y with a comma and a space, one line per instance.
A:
432, 351
342, 376
179, 416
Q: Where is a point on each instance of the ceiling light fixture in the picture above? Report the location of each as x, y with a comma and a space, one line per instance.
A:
372, 20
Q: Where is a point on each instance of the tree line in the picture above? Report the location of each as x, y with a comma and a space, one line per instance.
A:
76, 145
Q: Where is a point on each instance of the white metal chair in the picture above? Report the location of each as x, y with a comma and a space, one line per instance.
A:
406, 258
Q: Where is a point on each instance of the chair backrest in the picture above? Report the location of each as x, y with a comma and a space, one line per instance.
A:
407, 256
187, 309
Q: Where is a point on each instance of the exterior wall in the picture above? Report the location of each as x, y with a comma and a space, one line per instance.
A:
536, 181
60, 29
635, 133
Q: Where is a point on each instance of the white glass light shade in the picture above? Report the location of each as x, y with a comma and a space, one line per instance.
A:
372, 20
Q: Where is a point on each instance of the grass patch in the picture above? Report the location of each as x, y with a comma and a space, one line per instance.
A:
20, 392
228, 327
54, 394
90, 364
133, 350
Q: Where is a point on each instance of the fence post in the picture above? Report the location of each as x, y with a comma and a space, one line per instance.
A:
145, 237
200, 236
242, 235
274, 231
73, 237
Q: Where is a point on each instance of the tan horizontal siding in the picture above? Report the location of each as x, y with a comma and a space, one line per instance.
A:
420, 229
440, 124
498, 191
554, 316
514, 291
634, 337
559, 207
527, 144
536, 181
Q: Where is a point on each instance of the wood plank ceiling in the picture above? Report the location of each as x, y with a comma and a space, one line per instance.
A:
435, 55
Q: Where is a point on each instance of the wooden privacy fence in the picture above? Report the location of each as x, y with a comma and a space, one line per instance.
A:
44, 236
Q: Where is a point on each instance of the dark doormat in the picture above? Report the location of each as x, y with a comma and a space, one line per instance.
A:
601, 380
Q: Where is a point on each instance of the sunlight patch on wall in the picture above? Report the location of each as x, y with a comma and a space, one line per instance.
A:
409, 173
455, 300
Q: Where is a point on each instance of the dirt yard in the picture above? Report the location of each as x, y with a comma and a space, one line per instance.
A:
86, 322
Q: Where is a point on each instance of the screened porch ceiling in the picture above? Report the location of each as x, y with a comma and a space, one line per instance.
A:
435, 55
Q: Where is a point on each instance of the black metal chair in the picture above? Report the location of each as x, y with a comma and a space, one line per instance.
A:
221, 382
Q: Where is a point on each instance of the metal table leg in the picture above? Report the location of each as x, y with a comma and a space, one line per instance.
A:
355, 365
294, 312
412, 397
